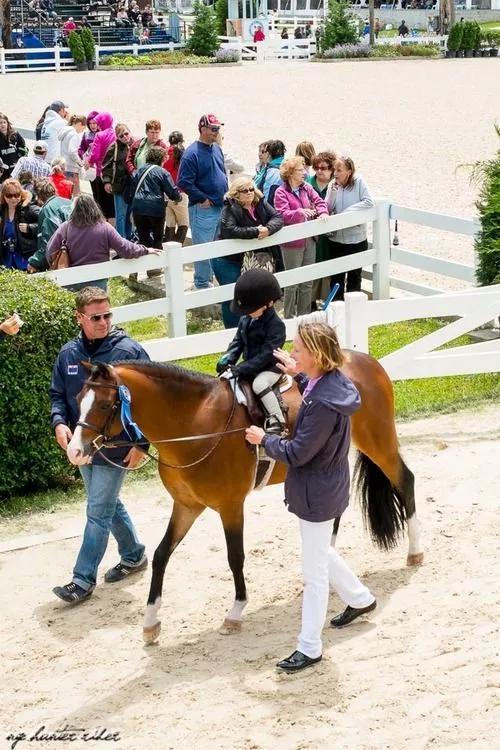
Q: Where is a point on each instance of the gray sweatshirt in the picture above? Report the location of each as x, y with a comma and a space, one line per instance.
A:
341, 200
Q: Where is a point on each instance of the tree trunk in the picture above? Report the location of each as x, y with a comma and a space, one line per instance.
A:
371, 20
5, 23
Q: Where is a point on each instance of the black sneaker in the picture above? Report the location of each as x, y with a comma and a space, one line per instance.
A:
73, 593
121, 571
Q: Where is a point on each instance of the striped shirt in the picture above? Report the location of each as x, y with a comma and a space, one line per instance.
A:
37, 166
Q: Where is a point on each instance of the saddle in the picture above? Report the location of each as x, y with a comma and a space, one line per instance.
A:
253, 403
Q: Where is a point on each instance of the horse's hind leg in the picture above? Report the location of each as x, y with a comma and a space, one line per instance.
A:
181, 520
406, 490
233, 530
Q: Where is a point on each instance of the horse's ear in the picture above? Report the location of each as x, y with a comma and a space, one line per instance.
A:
105, 371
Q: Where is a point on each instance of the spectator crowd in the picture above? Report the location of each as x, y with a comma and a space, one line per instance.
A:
147, 189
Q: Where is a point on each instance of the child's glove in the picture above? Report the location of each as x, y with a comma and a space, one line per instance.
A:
222, 364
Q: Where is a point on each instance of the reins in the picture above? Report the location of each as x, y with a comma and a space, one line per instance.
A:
109, 444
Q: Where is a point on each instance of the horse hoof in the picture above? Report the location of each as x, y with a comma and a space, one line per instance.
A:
417, 559
151, 634
229, 627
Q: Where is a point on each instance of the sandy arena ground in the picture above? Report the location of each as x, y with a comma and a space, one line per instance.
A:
421, 672
407, 124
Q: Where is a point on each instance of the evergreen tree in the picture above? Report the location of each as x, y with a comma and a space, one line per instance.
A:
203, 40
340, 26
488, 240
221, 11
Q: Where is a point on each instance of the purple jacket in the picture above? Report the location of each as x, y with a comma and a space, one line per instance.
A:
92, 244
291, 206
88, 136
317, 482
102, 141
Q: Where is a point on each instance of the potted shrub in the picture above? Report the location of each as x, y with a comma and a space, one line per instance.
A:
476, 50
454, 39
88, 47
468, 38
77, 51
485, 52
494, 40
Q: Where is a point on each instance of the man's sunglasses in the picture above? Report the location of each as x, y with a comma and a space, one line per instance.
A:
247, 190
98, 316
215, 129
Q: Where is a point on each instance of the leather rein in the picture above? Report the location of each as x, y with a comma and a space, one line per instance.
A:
107, 442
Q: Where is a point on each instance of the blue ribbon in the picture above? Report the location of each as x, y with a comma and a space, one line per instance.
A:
331, 296
126, 414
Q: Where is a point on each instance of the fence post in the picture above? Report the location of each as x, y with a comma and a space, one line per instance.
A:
97, 48
382, 247
3, 69
335, 317
57, 58
259, 52
135, 50
174, 289
477, 229
356, 324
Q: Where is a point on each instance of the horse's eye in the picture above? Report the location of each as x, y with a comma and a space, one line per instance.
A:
104, 406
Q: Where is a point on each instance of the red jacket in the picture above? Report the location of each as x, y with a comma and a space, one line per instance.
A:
64, 187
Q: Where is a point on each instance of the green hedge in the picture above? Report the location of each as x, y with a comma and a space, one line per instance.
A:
29, 456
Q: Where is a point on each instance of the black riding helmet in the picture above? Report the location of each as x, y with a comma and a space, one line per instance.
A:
254, 288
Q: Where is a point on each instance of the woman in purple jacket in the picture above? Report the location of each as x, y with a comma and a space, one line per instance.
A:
317, 482
297, 201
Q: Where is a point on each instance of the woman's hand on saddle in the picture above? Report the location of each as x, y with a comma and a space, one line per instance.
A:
254, 435
285, 363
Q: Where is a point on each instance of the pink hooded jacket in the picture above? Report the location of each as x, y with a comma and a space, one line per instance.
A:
102, 141
291, 206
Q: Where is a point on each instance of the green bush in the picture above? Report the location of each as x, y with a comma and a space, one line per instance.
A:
221, 11
203, 40
487, 242
29, 456
340, 26
455, 36
88, 44
76, 47
155, 58
468, 35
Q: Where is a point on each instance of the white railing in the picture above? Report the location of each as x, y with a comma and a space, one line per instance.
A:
377, 262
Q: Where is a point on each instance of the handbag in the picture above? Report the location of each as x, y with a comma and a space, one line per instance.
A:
129, 193
257, 259
60, 259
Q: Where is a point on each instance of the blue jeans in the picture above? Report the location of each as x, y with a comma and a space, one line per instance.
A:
227, 272
105, 513
122, 217
204, 223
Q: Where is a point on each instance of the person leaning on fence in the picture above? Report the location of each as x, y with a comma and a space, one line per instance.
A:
245, 216
323, 165
18, 225
298, 202
317, 482
151, 184
116, 179
268, 179
89, 239
53, 212
346, 193
97, 342
260, 332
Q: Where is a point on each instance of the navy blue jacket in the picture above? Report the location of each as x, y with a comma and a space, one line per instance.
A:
68, 376
317, 482
255, 340
202, 173
149, 200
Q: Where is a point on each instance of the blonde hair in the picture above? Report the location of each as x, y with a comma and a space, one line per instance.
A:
242, 182
289, 166
321, 341
58, 165
307, 151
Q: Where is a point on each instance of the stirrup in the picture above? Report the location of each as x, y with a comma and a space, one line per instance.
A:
273, 426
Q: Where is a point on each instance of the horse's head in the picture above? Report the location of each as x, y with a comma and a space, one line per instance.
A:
99, 412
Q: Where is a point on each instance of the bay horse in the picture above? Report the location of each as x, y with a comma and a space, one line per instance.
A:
169, 402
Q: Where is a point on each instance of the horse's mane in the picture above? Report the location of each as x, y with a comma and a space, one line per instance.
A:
173, 373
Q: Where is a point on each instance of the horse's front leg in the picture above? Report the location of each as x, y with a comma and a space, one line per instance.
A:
181, 520
233, 529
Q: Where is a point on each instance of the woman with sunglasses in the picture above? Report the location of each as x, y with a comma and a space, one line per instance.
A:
18, 225
246, 215
89, 238
116, 178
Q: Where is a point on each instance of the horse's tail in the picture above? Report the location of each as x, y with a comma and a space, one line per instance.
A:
383, 509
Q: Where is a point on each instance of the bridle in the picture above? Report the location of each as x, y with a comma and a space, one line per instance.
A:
106, 441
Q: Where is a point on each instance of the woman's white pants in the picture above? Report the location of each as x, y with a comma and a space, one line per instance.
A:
322, 568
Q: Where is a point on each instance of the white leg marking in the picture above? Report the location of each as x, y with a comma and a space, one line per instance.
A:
415, 546
75, 443
236, 611
151, 616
